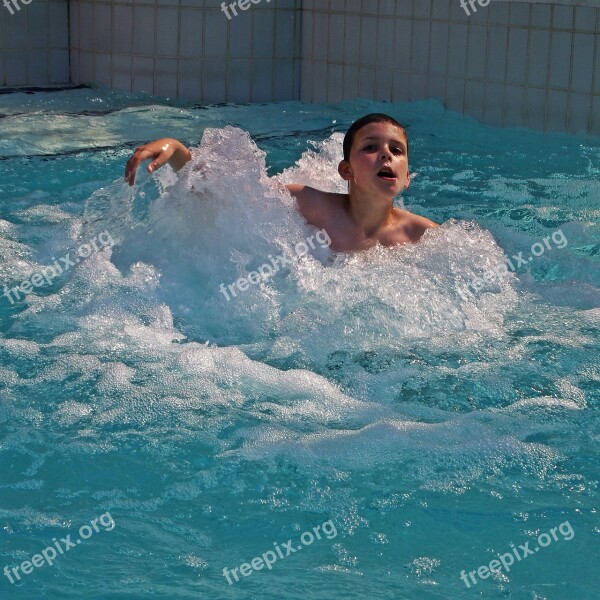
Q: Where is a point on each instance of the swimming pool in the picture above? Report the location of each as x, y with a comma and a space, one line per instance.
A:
381, 425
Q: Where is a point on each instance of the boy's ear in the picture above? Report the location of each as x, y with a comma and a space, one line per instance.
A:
407, 180
345, 170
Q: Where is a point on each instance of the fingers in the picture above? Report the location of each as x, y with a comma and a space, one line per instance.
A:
141, 154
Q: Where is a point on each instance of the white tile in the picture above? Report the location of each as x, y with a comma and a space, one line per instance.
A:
441, 10
37, 30
262, 35
320, 87
238, 81
387, 8
167, 31
122, 38
350, 82
385, 44
16, 67
585, 18
143, 74
494, 104
366, 83
165, 77
368, 42
307, 35
421, 9
596, 83
539, 50
191, 24
102, 28
579, 113
215, 37
284, 34
143, 30
457, 53
439, 48
402, 33
335, 49
476, 52
535, 108
404, 8
214, 77
562, 17
418, 87
285, 85
307, 79
541, 15
519, 14
86, 26
58, 20
321, 34
335, 83
37, 67
384, 78
455, 94
556, 110
240, 37
436, 88
74, 25
86, 67
517, 56
351, 36
401, 87
337, 5
496, 54
59, 66
368, 7
190, 79
560, 60
74, 76
16, 32
474, 99
498, 13
514, 105
102, 69
262, 81
595, 129
420, 47
583, 62
121, 72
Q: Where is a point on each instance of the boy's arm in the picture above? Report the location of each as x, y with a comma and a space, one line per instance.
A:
161, 151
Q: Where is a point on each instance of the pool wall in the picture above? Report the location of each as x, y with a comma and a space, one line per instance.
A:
34, 43
512, 63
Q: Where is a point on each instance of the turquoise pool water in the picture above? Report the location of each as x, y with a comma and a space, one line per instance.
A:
371, 426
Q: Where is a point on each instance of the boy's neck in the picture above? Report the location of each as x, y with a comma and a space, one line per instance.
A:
369, 214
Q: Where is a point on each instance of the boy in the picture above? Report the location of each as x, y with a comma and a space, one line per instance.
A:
375, 166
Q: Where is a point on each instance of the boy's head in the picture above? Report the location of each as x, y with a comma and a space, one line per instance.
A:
364, 121
375, 157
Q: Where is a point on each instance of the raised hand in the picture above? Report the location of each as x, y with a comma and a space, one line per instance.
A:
160, 151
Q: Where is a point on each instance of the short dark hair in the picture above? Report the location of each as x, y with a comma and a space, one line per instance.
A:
367, 120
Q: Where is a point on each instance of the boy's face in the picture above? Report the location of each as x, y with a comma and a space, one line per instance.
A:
378, 160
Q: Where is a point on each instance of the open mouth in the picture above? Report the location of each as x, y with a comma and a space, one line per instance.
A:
387, 174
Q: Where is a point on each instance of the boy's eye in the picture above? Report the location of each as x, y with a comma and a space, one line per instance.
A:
397, 150
370, 147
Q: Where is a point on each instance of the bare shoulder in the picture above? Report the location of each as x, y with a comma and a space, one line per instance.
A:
314, 204
415, 225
